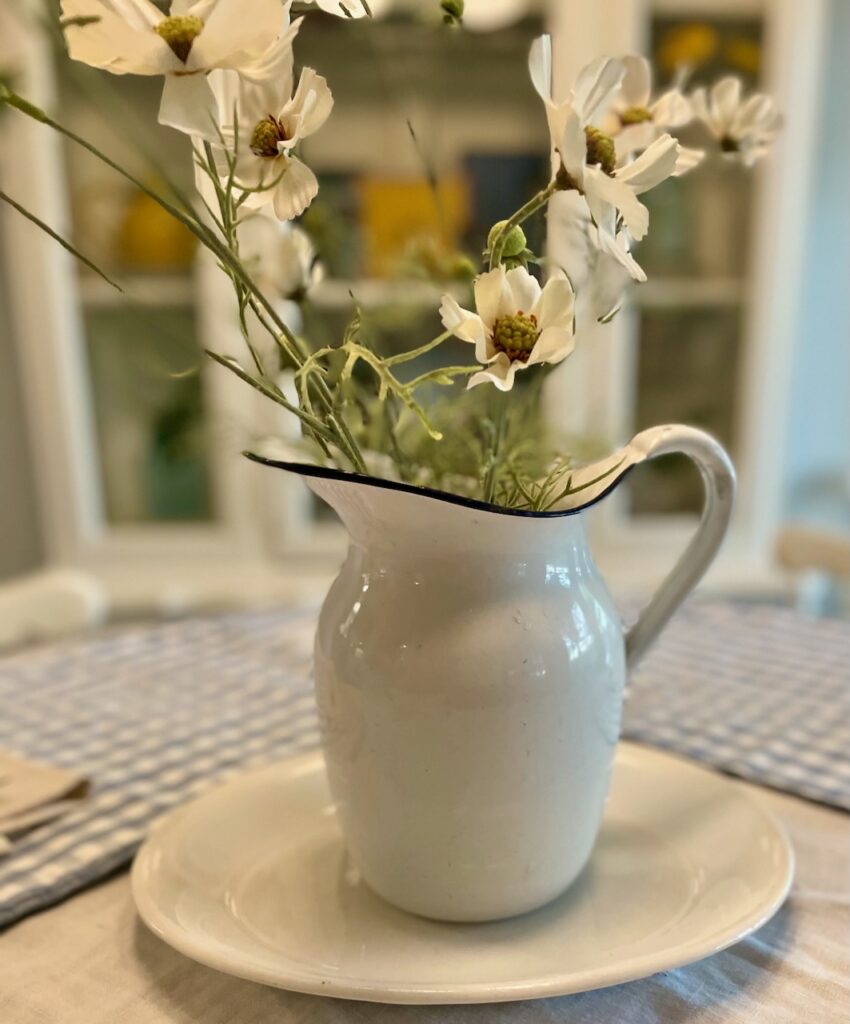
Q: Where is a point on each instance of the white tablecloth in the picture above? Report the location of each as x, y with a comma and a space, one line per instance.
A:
91, 961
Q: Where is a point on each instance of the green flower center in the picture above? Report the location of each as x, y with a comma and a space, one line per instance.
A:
266, 135
180, 31
635, 115
600, 149
516, 335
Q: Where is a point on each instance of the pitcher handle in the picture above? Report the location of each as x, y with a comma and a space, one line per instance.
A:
718, 475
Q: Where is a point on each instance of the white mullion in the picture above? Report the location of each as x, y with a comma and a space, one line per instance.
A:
45, 310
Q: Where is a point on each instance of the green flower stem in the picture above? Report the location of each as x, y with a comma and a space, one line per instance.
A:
570, 490
313, 423
345, 439
4, 197
493, 462
442, 375
414, 353
522, 214
208, 238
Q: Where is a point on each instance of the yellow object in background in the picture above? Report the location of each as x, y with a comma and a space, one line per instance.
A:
743, 54
394, 211
689, 45
150, 239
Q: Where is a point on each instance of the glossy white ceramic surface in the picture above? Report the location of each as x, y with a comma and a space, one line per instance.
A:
253, 879
470, 667
469, 675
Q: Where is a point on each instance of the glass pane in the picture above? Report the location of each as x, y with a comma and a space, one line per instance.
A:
686, 374
413, 166
148, 414
142, 347
696, 256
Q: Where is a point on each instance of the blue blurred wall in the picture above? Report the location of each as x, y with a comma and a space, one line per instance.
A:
818, 442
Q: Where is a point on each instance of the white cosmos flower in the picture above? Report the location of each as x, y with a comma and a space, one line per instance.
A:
585, 157
517, 323
135, 37
635, 120
272, 120
279, 255
744, 128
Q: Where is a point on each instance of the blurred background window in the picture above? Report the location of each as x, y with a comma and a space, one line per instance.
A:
121, 442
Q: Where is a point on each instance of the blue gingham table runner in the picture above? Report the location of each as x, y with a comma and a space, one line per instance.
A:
152, 714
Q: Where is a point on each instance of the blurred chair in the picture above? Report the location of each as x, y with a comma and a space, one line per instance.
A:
819, 560
47, 604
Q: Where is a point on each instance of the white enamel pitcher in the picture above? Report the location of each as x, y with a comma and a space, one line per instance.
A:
470, 667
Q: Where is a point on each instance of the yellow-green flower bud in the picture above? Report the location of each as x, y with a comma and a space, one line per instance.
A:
452, 11
180, 31
512, 262
600, 149
462, 268
514, 241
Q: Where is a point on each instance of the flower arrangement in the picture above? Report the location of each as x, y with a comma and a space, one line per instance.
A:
230, 83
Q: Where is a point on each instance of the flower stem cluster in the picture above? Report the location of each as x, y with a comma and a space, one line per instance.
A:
230, 83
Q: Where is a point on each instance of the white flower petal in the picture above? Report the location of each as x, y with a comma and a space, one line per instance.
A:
699, 106
573, 147
595, 85
554, 308
616, 248
189, 106
637, 82
274, 65
671, 110
226, 88
258, 201
141, 14
634, 138
231, 36
653, 166
687, 160
252, 171
540, 66
311, 103
601, 190
115, 43
553, 346
491, 294
758, 113
524, 291
725, 100
199, 8
501, 372
457, 319
557, 115
343, 8
297, 189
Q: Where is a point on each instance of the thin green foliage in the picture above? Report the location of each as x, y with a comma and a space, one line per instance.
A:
351, 398
66, 245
